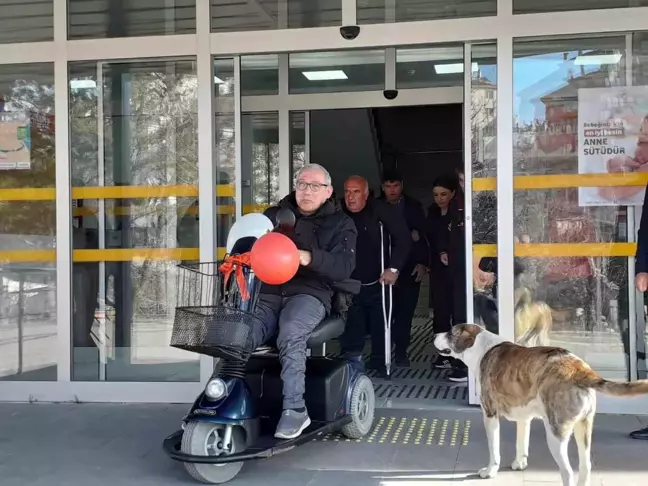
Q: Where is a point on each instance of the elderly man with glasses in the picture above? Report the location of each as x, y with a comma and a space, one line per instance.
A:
326, 239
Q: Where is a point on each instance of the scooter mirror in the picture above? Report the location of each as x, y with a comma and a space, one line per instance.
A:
286, 219
250, 225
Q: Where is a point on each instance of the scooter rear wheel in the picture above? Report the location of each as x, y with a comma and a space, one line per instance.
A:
206, 439
363, 406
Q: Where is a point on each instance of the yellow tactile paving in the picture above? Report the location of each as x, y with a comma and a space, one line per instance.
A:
412, 431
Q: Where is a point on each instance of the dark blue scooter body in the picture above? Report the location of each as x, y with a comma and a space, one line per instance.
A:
329, 389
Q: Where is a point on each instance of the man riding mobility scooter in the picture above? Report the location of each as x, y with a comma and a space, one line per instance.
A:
234, 417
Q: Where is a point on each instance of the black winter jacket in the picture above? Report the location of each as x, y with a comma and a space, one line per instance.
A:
415, 219
378, 211
446, 235
330, 236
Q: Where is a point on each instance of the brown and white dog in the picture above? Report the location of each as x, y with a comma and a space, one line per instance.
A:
521, 383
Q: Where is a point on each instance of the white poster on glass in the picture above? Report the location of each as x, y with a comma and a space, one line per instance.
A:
612, 138
15, 141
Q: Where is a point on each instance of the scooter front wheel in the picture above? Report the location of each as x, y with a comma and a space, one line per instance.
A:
209, 439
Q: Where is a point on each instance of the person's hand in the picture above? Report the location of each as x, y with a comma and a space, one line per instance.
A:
388, 277
641, 281
483, 279
305, 257
415, 235
419, 272
444, 258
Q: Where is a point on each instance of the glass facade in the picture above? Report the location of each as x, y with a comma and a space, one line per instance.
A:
133, 146
100, 201
241, 15
379, 11
28, 331
109, 19
26, 22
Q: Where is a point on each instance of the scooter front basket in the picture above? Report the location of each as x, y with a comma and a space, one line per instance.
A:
217, 331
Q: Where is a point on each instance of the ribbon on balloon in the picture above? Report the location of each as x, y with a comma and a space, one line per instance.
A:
235, 263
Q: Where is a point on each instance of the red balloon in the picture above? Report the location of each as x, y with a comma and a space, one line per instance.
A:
274, 258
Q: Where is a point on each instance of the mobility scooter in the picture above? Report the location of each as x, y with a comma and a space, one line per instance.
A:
234, 418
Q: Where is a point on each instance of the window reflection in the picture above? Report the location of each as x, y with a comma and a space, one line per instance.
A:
260, 160
483, 123
241, 15
109, 18
379, 11
225, 152
298, 141
28, 332
134, 163
587, 291
26, 21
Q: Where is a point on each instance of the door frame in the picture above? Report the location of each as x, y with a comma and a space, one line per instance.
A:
284, 103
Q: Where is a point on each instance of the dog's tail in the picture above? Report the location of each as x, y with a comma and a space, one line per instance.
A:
615, 388
533, 321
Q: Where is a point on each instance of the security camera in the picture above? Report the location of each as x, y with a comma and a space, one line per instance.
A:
390, 94
350, 32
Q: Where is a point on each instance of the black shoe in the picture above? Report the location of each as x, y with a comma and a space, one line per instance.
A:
378, 366
459, 375
442, 363
402, 360
640, 434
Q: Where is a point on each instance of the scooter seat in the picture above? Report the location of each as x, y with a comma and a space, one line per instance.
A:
330, 328
327, 330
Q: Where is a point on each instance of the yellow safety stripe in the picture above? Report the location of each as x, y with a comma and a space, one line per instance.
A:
564, 181
527, 182
549, 250
112, 192
532, 250
111, 255
191, 210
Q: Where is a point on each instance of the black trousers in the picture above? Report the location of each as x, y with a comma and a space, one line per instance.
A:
486, 310
448, 297
365, 313
405, 299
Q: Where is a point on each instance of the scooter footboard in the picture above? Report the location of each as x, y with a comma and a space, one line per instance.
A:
262, 449
327, 384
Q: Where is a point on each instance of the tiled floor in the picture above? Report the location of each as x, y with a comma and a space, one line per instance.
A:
105, 445
420, 386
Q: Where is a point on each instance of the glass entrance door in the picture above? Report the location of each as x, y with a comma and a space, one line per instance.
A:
331, 109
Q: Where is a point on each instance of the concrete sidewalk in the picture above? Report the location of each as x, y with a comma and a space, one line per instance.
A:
108, 445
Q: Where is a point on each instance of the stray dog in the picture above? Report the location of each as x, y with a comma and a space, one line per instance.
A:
520, 384
533, 320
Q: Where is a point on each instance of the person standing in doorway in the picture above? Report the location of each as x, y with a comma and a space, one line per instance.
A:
447, 267
408, 287
366, 309
641, 279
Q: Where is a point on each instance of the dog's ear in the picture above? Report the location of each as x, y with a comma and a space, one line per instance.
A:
465, 340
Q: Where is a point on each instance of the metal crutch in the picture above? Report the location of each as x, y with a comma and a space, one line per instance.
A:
387, 314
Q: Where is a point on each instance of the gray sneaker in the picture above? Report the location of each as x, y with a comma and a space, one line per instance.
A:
292, 424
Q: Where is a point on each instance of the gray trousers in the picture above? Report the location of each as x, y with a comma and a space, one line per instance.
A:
296, 317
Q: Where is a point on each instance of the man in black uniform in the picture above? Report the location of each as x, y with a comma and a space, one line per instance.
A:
366, 310
408, 287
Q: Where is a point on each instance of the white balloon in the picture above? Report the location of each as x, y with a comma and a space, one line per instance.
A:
252, 224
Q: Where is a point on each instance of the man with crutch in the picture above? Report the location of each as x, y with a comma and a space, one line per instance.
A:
382, 249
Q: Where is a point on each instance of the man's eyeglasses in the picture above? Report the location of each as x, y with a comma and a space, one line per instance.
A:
314, 186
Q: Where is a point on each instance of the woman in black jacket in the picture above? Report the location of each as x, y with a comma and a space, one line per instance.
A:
445, 233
